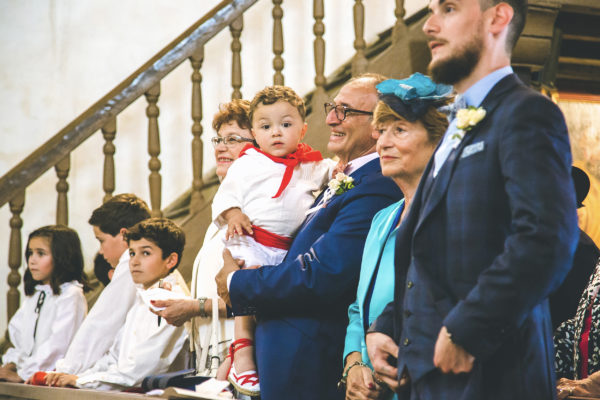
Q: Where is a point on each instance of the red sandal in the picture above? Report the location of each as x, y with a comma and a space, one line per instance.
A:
245, 382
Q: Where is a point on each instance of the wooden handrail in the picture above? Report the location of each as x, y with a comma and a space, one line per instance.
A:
56, 148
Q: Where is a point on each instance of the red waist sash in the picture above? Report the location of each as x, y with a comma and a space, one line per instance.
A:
270, 239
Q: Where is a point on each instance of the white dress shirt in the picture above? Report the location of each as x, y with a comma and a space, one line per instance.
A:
142, 348
59, 318
107, 316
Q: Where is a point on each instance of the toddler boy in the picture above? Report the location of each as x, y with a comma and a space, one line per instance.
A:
263, 200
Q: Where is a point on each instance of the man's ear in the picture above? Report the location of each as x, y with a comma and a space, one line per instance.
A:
122, 232
171, 261
501, 16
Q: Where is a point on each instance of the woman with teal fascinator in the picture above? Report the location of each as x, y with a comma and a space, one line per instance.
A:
408, 126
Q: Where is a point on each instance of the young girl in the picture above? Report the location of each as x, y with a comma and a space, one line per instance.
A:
54, 306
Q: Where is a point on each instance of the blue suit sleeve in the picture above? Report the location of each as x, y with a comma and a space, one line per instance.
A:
535, 164
327, 273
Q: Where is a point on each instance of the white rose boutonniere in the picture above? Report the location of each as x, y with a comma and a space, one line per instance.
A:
467, 118
341, 183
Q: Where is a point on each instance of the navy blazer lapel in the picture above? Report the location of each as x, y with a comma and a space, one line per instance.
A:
440, 185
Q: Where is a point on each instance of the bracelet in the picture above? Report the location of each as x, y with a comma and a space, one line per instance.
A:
202, 302
342, 381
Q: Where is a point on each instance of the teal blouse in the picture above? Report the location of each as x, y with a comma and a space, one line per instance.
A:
382, 235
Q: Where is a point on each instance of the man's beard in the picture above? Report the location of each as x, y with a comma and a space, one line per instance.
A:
459, 65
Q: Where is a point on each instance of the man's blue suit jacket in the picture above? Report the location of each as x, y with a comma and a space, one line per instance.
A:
301, 304
483, 249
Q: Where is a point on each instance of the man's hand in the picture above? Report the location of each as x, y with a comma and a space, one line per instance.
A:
177, 311
237, 222
450, 357
382, 349
230, 265
360, 384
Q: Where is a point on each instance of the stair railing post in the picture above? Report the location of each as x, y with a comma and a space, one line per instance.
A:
62, 187
14, 254
197, 146
154, 165
109, 131
236, 63
278, 62
400, 26
359, 63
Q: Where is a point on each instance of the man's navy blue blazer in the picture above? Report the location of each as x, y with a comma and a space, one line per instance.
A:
483, 250
302, 303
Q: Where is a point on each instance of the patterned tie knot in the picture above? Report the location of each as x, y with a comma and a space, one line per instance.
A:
451, 109
340, 167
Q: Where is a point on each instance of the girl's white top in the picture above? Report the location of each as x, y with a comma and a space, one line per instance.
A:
59, 318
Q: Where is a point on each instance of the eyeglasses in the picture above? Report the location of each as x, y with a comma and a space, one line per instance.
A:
342, 111
228, 141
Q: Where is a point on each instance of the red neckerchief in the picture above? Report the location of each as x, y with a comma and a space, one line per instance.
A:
304, 153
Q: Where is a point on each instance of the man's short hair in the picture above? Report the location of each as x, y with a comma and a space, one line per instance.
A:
162, 232
122, 211
273, 94
374, 76
236, 110
515, 28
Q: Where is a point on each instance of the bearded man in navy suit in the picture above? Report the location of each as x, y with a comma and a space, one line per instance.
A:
301, 305
491, 231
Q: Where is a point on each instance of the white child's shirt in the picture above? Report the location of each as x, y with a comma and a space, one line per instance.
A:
250, 184
141, 348
107, 316
59, 317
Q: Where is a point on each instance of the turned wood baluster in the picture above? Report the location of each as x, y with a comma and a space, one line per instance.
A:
197, 145
236, 63
14, 253
277, 42
359, 63
400, 25
108, 183
62, 187
154, 149
319, 45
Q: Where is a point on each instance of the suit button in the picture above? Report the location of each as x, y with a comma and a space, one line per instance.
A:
410, 284
406, 342
407, 313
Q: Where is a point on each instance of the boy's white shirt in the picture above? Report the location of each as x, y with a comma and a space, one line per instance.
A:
107, 316
252, 181
59, 318
141, 348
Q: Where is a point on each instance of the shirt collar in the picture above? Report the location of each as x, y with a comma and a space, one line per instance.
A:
475, 94
359, 162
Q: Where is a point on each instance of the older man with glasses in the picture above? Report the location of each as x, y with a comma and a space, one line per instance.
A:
301, 304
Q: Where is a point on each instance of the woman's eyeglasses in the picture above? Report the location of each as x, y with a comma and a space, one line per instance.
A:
230, 140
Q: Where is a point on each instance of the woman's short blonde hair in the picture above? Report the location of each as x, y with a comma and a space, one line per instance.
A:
435, 122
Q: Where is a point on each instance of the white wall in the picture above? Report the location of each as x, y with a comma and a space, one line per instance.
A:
59, 57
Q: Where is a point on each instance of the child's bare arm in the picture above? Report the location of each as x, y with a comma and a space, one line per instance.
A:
237, 222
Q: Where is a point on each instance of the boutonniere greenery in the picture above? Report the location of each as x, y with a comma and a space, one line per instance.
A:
341, 183
467, 118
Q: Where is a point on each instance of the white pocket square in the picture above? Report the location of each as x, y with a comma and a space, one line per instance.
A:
472, 149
